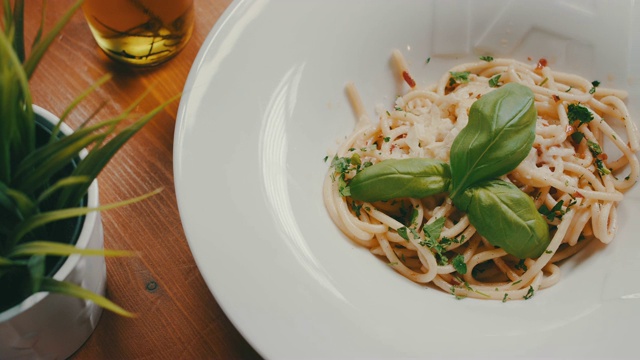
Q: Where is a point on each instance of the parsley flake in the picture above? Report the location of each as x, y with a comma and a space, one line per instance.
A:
555, 212
521, 266
594, 84
529, 293
577, 137
403, 233
432, 234
495, 81
458, 77
577, 112
486, 58
459, 264
602, 169
594, 147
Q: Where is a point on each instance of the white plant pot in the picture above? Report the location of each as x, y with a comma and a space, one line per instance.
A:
53, 326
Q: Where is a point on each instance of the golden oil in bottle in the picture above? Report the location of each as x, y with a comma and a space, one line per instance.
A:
140, 32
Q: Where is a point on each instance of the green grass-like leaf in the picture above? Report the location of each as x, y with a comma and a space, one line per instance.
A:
41, 219
68, 181
41, 47
93, 164
66, 288
75, 102
18, 23
36, 186
57, 249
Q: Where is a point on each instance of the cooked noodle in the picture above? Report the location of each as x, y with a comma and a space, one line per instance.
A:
425, 121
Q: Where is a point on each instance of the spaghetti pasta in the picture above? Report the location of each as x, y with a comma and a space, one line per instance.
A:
576, 173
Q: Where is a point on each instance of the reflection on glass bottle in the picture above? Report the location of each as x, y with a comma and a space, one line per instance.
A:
140, 32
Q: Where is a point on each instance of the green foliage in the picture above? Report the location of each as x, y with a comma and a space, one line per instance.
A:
498, 137
398, 178
43, 182
506, 217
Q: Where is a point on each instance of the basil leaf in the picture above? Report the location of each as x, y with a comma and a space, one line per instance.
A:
498, 137
399, 178
506, 217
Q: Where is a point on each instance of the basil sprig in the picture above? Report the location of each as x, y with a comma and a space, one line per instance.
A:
498, 137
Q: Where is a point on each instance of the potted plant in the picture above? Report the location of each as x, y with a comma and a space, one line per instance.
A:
52, 269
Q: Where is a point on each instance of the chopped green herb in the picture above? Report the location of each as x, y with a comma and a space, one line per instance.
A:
387, 139
544, 81
521, 266
397, 108
445, 241
628, 177
505, 297
486, 58
529, 293
516, 282
594, 148
495, 81
548, 251
459, 264
403, 233
434, 229
577, 112
414, 217
595, 84
341, 164
428, 60
569, 89
602, 169
356, 208
458, 77
555, 212
343, 188
577, 137
432, 233
326, 158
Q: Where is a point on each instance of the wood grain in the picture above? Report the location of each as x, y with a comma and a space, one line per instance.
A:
177, 315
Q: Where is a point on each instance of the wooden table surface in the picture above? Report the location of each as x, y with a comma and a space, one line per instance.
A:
177, 315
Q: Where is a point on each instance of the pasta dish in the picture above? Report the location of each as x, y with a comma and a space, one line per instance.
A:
409, 183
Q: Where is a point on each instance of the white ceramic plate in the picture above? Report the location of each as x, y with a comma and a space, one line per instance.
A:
265, 102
